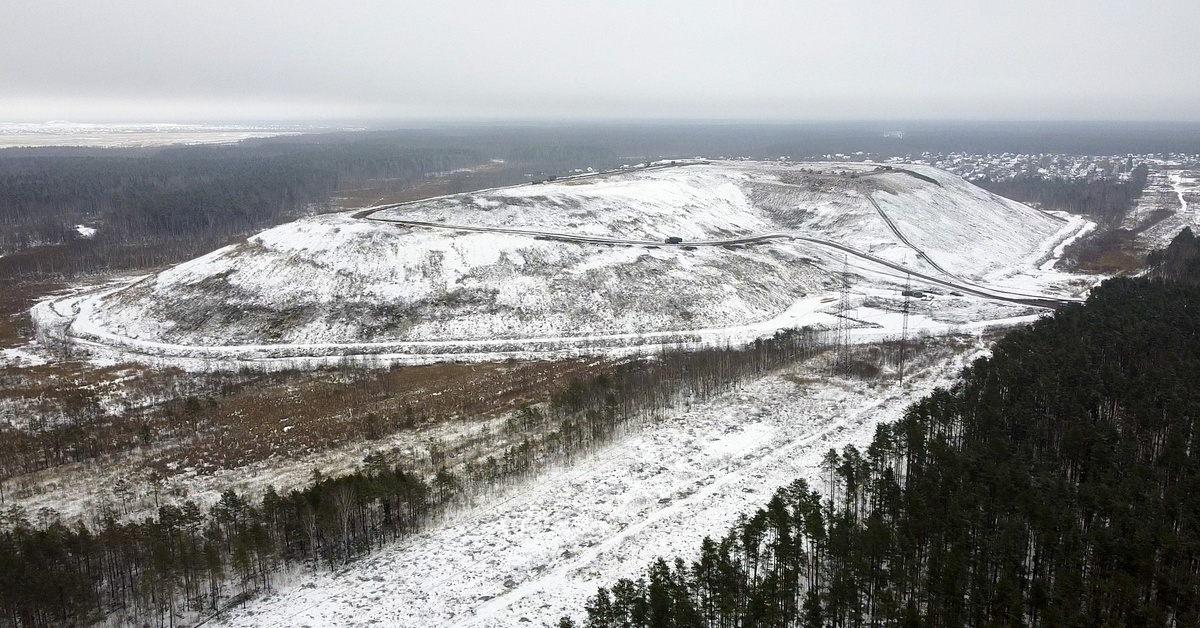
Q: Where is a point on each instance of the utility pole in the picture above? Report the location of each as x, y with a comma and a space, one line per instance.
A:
904, 328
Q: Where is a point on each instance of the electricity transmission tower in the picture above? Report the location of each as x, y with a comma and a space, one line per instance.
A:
843, 324
904, 327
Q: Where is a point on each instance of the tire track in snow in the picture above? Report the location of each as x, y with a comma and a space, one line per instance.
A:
896, 230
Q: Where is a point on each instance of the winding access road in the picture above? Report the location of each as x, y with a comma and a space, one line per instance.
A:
70, 318
896, 231
954, 282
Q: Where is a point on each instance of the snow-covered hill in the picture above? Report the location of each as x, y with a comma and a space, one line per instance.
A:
575, 264
956, 223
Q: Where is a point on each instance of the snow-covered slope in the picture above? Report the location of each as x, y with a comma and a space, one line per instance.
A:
578, 259
955, 223
338, 279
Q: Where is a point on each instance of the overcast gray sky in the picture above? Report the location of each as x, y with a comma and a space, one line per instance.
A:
791, 60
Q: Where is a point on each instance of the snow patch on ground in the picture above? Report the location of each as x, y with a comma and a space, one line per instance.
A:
1062, 246
1170, 190
21, 357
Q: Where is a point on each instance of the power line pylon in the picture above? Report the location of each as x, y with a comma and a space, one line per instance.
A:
904, 328
843, 324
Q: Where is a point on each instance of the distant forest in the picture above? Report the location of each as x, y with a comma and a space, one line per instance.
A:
163, 205
1058, 484
160, 206
1105, 201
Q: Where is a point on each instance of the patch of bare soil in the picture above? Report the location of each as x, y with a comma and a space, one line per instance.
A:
16, 297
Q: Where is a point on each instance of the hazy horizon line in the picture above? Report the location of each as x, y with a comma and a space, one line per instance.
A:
335, 122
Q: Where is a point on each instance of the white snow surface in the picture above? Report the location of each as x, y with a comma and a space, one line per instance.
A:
956, 223
21, 356
505, 273
130, 135
538, 552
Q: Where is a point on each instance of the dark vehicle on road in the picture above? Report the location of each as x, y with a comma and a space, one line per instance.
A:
674, 240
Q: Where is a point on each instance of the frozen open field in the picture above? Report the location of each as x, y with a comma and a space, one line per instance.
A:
61, 133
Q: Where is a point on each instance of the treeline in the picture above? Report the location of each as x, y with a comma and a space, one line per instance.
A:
1179, 262
157, 206
1057, 484
1106, 201
184, 561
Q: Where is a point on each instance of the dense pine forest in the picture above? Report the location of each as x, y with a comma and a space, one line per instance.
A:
1058, 484
1180, 262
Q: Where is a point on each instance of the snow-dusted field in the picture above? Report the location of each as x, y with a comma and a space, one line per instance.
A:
60, 133
511, 272
539, 551
1172, 190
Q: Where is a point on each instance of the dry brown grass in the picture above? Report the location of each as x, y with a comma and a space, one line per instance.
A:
16, 297
1114, 262
219, 421
325, 411
1110, 252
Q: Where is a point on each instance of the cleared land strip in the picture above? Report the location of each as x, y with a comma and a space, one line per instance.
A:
539, 551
